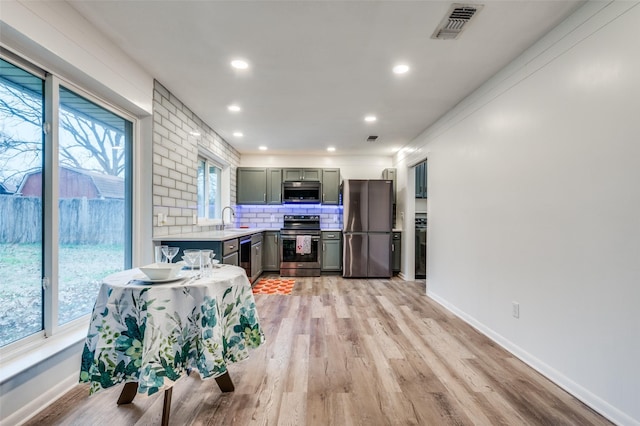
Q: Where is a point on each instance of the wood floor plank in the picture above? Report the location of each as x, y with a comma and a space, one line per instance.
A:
351, 352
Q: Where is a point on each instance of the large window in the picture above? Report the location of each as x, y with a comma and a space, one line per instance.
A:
21, 156
92, 172
209, 189
65, 201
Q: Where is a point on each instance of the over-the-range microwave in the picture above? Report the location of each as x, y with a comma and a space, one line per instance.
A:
302, 192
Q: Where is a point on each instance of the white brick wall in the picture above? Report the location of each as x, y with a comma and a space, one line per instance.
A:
271, 216
175, 156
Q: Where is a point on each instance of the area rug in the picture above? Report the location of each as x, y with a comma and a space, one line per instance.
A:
273, 286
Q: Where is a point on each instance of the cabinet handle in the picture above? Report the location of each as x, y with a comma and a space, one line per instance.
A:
324, 247
393, 247
264, 197
276, 238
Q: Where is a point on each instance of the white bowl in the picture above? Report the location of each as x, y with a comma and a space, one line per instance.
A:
161, 271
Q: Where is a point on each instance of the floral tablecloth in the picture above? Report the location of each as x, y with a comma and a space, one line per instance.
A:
152, 334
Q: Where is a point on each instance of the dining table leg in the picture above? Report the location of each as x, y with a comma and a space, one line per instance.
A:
224, 382
128, 393
166, 407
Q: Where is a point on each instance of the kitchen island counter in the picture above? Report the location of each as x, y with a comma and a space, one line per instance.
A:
212, 235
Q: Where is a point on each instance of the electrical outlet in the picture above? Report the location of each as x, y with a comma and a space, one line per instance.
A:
160, 219
515, 309
195, 218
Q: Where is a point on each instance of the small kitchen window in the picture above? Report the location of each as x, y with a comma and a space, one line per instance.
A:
209, 189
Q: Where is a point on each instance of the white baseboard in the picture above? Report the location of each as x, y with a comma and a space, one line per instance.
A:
38, 404
590, 399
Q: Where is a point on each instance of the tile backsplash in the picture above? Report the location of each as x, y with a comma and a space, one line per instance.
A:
271, 217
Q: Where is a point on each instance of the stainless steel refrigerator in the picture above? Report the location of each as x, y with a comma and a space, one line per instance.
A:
367, 223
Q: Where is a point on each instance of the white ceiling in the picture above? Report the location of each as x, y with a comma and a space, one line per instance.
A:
318, 67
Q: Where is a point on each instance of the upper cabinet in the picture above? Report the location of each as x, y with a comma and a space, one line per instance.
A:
274, 186
290, 175
252, 185
331, 186
260, 185
421, 180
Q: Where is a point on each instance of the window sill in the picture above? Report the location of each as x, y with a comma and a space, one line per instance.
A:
27, 355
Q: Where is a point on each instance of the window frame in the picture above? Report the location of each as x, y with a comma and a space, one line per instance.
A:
224, 184
53, 336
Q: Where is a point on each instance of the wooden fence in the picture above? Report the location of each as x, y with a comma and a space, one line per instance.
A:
82, 221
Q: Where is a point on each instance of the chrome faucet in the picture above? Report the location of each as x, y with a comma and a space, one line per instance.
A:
231, 216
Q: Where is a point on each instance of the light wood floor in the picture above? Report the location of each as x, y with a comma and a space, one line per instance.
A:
351, 352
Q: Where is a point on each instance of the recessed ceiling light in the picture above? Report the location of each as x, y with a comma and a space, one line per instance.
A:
233, 108
370, 118
262, 148
401, 68
331, 148
239, 64
194, 133
238, 134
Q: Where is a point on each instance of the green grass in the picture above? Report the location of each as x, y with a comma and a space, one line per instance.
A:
81, 269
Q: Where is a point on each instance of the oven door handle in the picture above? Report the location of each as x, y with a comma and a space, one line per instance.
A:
287, 238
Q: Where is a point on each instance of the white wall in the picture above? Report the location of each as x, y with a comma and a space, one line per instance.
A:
351, 167
56, 37
53, 36
534, 197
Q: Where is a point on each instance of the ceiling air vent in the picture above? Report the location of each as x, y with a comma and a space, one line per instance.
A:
372, 138
455, 21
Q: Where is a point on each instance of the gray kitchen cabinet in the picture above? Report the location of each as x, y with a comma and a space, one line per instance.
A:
274, 186
271, 251
331, 251
421, 180
231, 259
293, 175
396, 252
251, 185
256, 256
230, 252
225, 251
331, 186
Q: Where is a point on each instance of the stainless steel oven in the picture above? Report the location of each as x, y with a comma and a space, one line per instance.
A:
300, 258
421, 245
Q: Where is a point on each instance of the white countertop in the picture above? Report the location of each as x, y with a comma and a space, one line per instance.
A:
227, 234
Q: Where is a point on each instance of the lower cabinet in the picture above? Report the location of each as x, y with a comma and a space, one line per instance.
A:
230, 252
396, 252
271, 251
256, 260
225, 251
331, 251
231, 259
